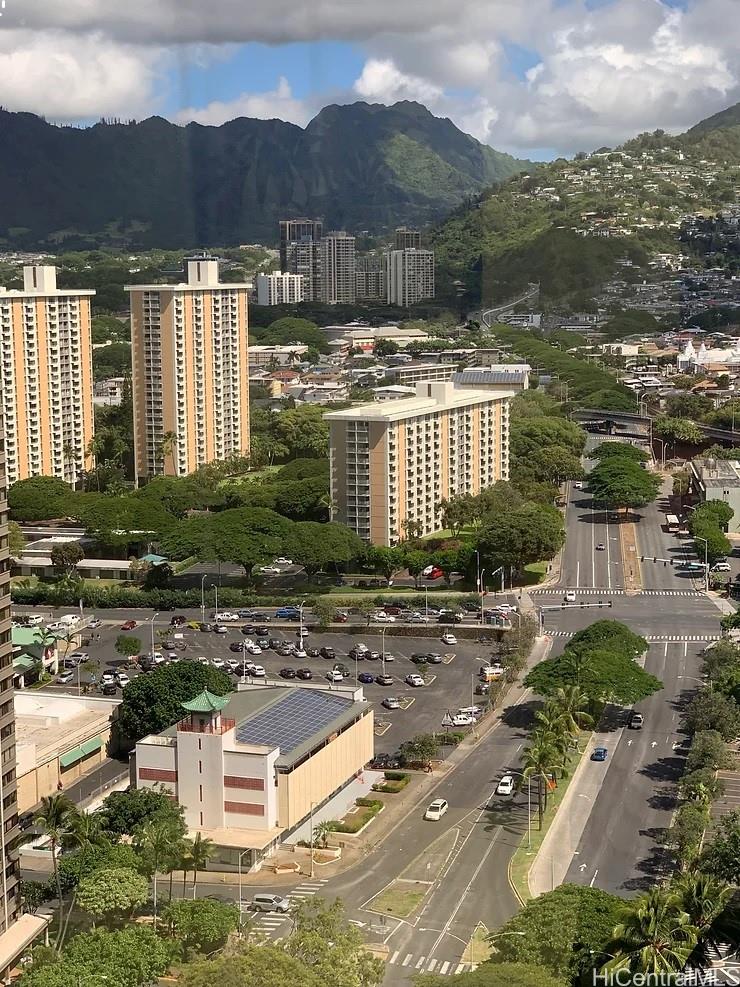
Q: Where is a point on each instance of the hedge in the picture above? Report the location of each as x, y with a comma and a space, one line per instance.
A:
396, 776
372, 808
391, 787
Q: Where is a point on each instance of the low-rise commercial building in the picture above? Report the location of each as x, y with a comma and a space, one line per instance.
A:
498, 377
392, 463
411, 373
283, 356
718, 479
365, 337
250, 767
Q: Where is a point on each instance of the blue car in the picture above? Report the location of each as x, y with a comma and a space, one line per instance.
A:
600, 754
366, 677
287, 613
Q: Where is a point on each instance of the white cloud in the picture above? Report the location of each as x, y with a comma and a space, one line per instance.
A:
600, 75
278, 104
67, 78
382, 82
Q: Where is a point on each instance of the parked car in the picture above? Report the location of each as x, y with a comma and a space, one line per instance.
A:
108, 688
341, 667
122, 679
256, 671
66, 677
287, 673
287, 613
299, 652
419, 618
433, 658
461, 720
381, 617
32, 619
334, 676
449, 618
269, 570
92, 624
107, 677
282, 561
391, 702
449, 638
384, 679
721, 567
385, 762
328, 653
506, 785
178, 620
436, 809
304, 673
80, 657
224, 616
415, 680
418, 659
340, 617
235, 646
261, 630
220, 629
128, 625
313, 652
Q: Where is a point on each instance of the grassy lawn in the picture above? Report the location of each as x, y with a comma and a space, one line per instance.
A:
524, 856
401, 898
252, 477
534, 573
478, 949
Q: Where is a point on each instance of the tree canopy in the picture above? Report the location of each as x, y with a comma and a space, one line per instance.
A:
621, 482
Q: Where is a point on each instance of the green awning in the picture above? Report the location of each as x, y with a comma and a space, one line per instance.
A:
77, 753
23, 662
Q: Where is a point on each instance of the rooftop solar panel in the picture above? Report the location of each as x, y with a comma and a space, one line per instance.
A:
290, 722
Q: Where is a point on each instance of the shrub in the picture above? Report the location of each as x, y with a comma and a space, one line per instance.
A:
391, 787
371, 806
395, 775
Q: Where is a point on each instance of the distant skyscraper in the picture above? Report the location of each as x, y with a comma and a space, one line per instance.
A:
407, 238
46, 377
338, 270
190, 371
409, 276
292, 230
370, 278
279, 289
304, 258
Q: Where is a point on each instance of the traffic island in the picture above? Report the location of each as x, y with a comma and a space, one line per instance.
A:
400, 899
630, 558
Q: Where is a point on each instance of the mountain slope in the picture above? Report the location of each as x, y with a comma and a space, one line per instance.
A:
729, 117
153, 183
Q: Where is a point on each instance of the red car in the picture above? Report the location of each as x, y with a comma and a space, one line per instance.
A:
340, 618
128, 625
436, 573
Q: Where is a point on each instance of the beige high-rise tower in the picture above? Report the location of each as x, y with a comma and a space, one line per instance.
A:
190, 371
46, 377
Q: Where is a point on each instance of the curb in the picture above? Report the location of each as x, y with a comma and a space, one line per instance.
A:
511, 882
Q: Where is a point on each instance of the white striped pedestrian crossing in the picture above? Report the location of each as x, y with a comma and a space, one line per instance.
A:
656, 638
271, 922
603, 591
429, 965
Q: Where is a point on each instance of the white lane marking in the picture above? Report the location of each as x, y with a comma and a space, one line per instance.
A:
445, 967
394, 957
407, 959
591, 882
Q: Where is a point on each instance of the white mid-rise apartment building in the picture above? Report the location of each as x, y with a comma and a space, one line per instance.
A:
46, 377
338, 269
391, 464
190, 372
409, 276
279, 289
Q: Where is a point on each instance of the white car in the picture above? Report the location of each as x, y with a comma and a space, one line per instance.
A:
257, 672
122, 679
381, 617
233, 664
80, 657
203, 660
253, 649
414, 679
449, 638
299, 652
505, 786
221, 629
66, 677
461, 720
570, 596
270, 570
474, 711
578, 485
505, 608
335, 675
34, 619
721, 567
282, 561
222, 618
428, 571
107, 678
218, 662
419, 618
436, 809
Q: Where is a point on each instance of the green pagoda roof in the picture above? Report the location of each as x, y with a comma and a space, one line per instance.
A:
206, 702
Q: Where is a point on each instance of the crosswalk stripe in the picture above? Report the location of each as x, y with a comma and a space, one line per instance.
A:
431, 966
459, 969
407, 959
604, 591
394, 957
657, 638
420, 962
444, 968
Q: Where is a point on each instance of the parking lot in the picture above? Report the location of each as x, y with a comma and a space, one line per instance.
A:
449, 684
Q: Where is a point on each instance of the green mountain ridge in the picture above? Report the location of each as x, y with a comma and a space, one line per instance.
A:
566, 224
362, 167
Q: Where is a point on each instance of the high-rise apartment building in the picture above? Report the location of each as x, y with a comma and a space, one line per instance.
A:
304, 260
338, 269
46, 377
190, 371
279, 289
370, 277
406, 238
409, 276
293, 230
10, 900
391, 464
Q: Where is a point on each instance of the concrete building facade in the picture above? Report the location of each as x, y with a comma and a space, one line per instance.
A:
409, 276
407, 239
46, 377
718, 479
392, 463
338, 269
249, 767
304, 260
190, 372
294, 230
370, 277
279, 288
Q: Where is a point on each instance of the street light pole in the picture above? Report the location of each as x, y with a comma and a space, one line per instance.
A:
706, 561
239, 868
215, 590
300, 621
151, 623
382, 648
203, 598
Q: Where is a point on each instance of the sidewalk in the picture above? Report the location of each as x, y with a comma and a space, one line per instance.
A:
566, 829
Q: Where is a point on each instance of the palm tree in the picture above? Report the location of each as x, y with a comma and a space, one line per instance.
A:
56, 818
155, 841
654, 936
540, 760
167, 448
578, 661
186, 861
321, 833
69, 453
200, 853
94, 450
702, 897
571, 703
86, 829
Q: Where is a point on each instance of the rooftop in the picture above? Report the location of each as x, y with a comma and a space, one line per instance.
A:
206, 702
484, 376
49, 724
715, 473
431, 396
